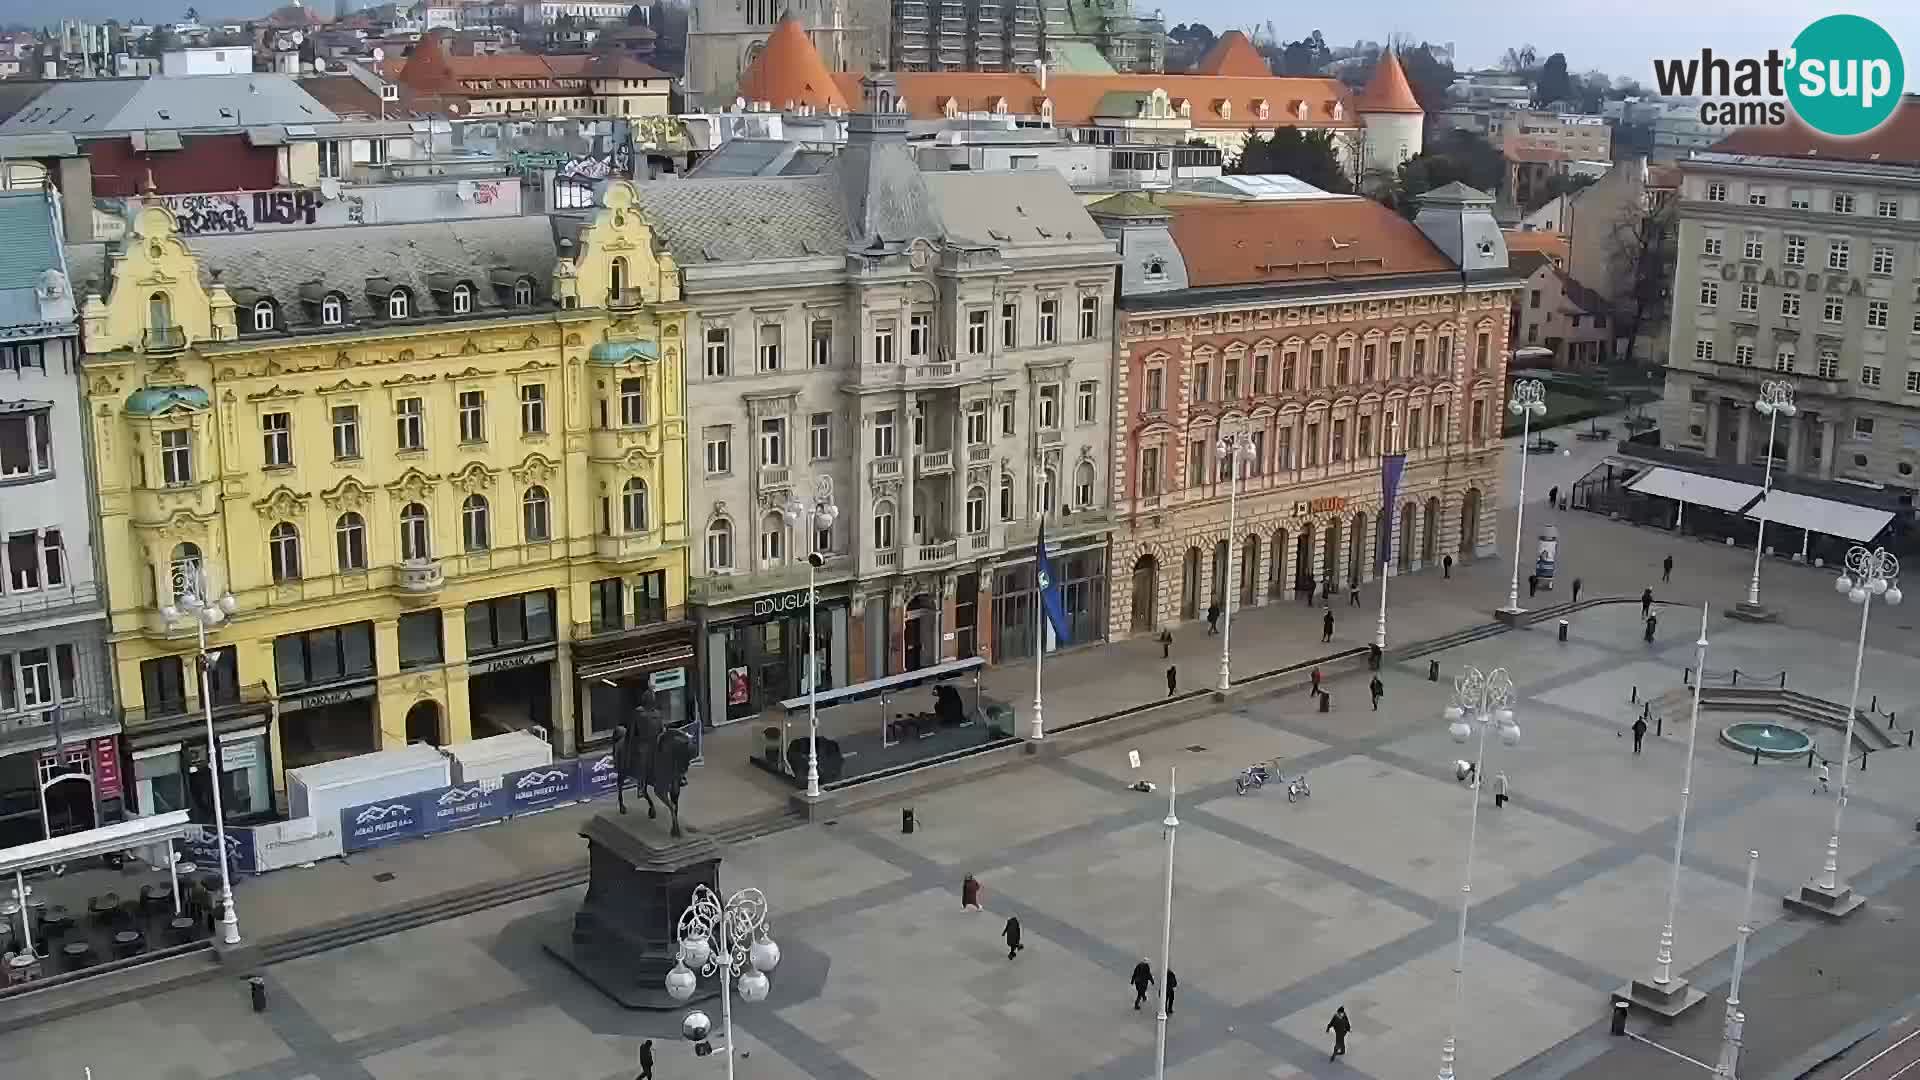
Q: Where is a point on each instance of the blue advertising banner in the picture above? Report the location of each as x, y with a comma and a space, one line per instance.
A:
369, 824
538, 788
595, 776
202, 841
462, 805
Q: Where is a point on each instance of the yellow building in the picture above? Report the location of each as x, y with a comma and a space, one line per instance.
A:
439, 467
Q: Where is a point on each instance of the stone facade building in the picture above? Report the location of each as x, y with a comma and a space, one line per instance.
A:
935, 347
1350, 333
1798, 258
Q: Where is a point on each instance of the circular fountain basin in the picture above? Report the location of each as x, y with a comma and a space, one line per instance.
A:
1771, 740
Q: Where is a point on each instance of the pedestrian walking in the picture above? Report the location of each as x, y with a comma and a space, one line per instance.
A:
1378, 689
1353, 594
1166, 643
1666, 570
1012, 934
1326, 626
1652, 622
1553, 496
1213, 618
1533, 585
970, 893
646, 1060
1173, 679
1825, 777
1340, 1026
1646, 602
1499, 789
1326, 590
1446, 566
1173, 983
1576, 590
1311, 585
1314, 690
1639, 732
1373, 656
1142, 982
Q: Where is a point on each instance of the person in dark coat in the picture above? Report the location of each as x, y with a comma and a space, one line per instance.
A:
1378, 690
646, 1061
1639, 732
1173, 983
1326, 590
970, 893
1666, 569
1326, 626
1446, 566
1166, 643
1646, 602
1653, 623
1311, 584
1533, 585
1373, 656
1576, 590
1012, 934
1553, 497
1340, 1026
1173, 679
1213, 618
1353, 593
1142, 982
1314, 689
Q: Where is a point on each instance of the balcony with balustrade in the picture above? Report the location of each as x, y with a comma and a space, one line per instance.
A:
418, 581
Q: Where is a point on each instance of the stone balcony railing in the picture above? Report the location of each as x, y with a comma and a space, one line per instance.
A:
933, 462
419, 577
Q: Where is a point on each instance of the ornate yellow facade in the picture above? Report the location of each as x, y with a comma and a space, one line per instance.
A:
504, 445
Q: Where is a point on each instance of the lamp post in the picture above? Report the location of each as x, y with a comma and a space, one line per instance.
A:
1483, 699
1171, 823
1042, 494
192, 599
811, 518
1665, 987
1868, 574
1529, 400
716, 936
1237, 448
1729, 1064
1776, 401
1386, 538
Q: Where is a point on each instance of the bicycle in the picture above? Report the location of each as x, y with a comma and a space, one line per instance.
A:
1253, 776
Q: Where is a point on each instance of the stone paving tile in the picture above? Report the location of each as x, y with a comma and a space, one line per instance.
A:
1400, 1019
543, 1042
192, 1033
1232, 1059
804, 868
1229, 743
1790, 828
1411, 831
962, 826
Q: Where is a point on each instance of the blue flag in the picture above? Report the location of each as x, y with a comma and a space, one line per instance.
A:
1390, 469
1050, 589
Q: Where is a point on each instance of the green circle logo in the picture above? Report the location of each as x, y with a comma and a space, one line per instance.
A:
1846, 75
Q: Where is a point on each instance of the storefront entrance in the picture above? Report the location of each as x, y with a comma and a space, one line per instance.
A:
920, 636
762, 655
173, 775
423, 724
326, 725
1083, 596
1146, 584
512, 693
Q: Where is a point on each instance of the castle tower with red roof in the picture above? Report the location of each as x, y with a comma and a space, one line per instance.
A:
1392, 116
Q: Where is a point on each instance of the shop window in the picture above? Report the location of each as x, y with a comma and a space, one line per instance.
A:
323, 656
420, 640
508, 622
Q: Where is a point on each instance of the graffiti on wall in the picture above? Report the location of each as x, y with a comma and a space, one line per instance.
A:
237, 212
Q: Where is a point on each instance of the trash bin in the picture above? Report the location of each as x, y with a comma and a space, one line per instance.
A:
1326, 701
257, 989
1619, 1026
1563, 631
906, 820
1433, 671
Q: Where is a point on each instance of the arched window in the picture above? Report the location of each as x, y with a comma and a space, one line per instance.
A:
283, 552
883, 524
184, 569
462, 298
350, 541
263, 315
1083, 485
976, 509
414, 536
333, 310
1006, 496
159, 312
720, 545
617, 278
633, 505
523, 292
773, 539
535, 526
399, 304
474, 526
1044, 503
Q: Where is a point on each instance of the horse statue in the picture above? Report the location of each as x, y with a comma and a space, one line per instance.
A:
656, 758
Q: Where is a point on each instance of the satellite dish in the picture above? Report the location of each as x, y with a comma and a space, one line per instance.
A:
379, 55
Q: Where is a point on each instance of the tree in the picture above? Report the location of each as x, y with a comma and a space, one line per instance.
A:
669, 22
1591, 90
1428, 77
193, 15
1557, 185
1521, 61
161, 41
1306, 56
1454, 156
1186, 44
1552, 84
1640, 262
1309, 156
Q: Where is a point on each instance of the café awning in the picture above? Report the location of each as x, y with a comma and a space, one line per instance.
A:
1696, 489
132, 833
1814, 514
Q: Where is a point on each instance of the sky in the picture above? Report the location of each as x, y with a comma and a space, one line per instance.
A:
1620, 37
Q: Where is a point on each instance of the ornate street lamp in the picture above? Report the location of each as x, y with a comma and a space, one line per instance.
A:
810, 518
716, 936
1529, 401
1776, 401
1237, 449
192, 599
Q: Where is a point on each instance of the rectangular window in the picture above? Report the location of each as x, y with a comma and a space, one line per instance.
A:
410, 421
1262, 363
977, 333
1749, 297
26, 443
1477, 427
1790, 305
1716, 192
650, 597
1913, 380
1876, 314
473, 416
1882, 259
1829, 364
1317, 368
1363, 438
883, 434
508, 622
919, 334
1312, 447
276, 430
1796, 250
1756, 196
420, 639
883, 341
331, 159
1783, 358
1839, 254
1196, 463
322, 656
1009, 324
1800, 199
633, 402
718, 364
1009, 417
1283, 449
1156, 390
1342, 365
1149, 471
1049, 321
1843, 202
346, 432
977, 423
53, 548
1443, 356
1483, 352
1887, 208
820, 345
1833, 309
1870, 375
1202, 382
533, 409
1289, 372
1339, 442
1230, 379
1257, 461
820, 436
1710, 246
23, 562
1751, 245
1393, 358
769, 348
719, 450
1709, 292
1086, 406
1050, 407
1863, 427
1703, 350
1743, 354
1089, 318
1369, 360
773, 443
176, 457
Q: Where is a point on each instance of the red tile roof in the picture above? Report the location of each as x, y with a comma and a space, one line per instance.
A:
1233, 55
789, 71
1235, 243
1550, 244
1387, 91
1895, 142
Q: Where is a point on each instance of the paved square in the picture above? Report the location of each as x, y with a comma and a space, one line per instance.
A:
963, 826
1228, 743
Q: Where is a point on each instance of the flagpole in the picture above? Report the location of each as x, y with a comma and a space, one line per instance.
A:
1389, 494
1039, 729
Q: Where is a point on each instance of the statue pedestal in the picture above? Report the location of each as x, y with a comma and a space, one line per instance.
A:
639, 881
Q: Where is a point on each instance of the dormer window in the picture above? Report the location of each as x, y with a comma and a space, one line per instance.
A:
523, 293
1339, 111
333, 310
951, 109
1156, 269
399, 304
1300, 110
263, 316
462, 299
1261, 109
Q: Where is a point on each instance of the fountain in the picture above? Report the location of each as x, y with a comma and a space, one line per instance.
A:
1769, 740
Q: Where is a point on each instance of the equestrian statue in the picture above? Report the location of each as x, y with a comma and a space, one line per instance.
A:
652, 756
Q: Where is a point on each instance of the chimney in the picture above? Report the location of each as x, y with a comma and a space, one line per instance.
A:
1040, 72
